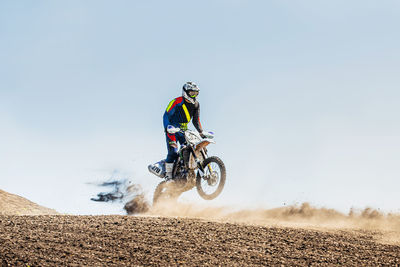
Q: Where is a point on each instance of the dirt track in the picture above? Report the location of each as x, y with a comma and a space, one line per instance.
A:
128, 241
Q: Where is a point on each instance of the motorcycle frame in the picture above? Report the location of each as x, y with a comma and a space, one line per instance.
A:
196, 151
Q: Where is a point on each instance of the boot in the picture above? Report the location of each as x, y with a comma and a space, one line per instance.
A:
157, 168
168, 170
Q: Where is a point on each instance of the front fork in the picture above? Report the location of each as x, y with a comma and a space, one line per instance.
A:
198, 162
196, 159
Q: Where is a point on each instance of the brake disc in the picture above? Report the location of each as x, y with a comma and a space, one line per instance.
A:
213, 178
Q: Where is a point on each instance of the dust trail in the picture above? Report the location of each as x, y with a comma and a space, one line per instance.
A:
124, 191
383, 227
120, 189
138, 203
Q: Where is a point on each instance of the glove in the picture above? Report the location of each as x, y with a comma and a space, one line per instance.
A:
202, 135
173, 144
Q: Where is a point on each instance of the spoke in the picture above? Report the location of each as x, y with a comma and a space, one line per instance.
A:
210, 170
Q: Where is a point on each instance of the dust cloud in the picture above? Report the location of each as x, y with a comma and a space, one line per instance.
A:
126, 192
383, 227
138, 204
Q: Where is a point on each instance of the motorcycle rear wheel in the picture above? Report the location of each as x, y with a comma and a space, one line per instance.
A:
165, 191
214, 178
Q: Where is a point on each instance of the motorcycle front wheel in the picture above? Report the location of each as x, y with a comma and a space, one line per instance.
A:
211, 184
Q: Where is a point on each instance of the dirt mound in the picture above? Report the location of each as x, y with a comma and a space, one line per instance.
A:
153, 241
11, 204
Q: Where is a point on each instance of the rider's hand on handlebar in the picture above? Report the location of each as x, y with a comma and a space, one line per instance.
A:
202, 135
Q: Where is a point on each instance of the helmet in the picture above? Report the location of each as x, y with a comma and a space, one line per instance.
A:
190, 91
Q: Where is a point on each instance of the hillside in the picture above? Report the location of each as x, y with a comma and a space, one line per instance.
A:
11, 204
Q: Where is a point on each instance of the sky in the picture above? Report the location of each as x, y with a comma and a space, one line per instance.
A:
302, 95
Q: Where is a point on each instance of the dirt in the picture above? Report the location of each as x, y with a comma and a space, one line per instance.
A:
64, 240
137, 205
196, 236
11, 204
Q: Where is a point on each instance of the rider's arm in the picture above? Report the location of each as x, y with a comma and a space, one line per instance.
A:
196, 118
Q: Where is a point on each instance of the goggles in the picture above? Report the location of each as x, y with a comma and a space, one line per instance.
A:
193, 93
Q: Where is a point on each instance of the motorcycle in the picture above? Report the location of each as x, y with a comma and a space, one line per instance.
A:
193, 168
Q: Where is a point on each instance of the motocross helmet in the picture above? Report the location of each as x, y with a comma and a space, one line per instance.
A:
190, 91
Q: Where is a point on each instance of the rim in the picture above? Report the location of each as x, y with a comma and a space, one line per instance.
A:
211, 179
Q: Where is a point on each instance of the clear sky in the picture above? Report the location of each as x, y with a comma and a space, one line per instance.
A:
303, 97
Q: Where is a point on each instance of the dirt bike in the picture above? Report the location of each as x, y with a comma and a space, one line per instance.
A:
192, 168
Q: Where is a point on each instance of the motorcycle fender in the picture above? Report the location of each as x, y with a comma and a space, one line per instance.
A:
203, 144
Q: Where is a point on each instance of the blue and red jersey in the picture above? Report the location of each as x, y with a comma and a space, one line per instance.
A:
179, 113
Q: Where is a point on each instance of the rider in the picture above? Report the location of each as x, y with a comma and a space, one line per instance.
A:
179, 113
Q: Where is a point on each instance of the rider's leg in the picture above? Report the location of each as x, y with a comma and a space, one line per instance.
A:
171, 157
168, 170
172, 153
181, 138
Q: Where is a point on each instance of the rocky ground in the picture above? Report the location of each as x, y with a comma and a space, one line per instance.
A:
61, 240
